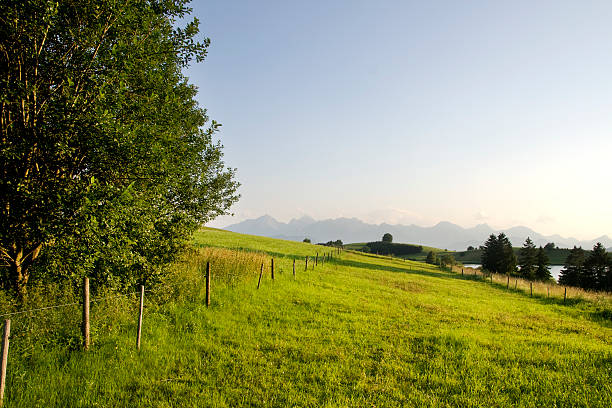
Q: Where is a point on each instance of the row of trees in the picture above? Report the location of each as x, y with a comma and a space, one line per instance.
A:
498, 257
593, 272
337, 243
444, 260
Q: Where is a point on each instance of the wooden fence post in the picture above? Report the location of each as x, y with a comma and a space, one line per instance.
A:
306, 267
317, 259
294, 269
207, 284
139, 334
5, 347
530, 288
564, 295
515, 283
508, 283
85, 324
260, 273
272, 268
461, 271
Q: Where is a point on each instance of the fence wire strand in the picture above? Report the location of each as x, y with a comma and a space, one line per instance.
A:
68, 304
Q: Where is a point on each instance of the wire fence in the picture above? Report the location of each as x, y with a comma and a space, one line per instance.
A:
86, 301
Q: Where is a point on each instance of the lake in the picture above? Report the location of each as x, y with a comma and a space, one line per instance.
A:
555, 270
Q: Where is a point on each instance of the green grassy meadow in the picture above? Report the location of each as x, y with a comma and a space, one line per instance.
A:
357, 331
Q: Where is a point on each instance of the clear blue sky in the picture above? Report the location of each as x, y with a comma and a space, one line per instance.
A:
415, 112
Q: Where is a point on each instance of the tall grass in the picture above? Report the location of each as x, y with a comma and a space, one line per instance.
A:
52, 312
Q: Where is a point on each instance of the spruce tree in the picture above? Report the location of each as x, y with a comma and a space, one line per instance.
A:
571, 274
542, 271
507, 262
528, 259
490, 255
596, 269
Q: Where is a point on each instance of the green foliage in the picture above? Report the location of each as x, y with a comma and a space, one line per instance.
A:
307, 240
107, 163
528, 259
431, 258
542, 272
387, 238
593, 272
388, 248
571, 274
596, 273
337, 243
498, 255
447, 260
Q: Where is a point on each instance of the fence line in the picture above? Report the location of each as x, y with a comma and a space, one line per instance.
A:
85, 324
158, 289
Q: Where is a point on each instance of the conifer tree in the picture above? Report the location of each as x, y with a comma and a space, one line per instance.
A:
596, 269
507, 264
528, 259
498, 255
542, 271
571, 274
490, 254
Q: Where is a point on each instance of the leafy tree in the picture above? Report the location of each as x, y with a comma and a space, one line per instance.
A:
307, 240
528, 257
542, 272
550, 246
447, 259
431, 258
387, 237
571, 274
107, 163
471, 248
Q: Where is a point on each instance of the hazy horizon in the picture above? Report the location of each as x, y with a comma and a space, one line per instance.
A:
222, 225
415, 112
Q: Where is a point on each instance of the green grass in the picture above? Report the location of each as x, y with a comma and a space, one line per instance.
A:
357, 331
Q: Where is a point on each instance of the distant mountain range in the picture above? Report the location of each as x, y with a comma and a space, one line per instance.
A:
444, 235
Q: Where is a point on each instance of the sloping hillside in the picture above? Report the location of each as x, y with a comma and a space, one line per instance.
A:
357, 330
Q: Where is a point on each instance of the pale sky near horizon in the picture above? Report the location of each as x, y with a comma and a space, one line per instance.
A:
415, 112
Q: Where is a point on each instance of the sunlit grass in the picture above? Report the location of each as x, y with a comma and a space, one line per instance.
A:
356, 331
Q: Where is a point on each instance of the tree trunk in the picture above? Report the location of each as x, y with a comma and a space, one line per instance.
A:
19, 273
